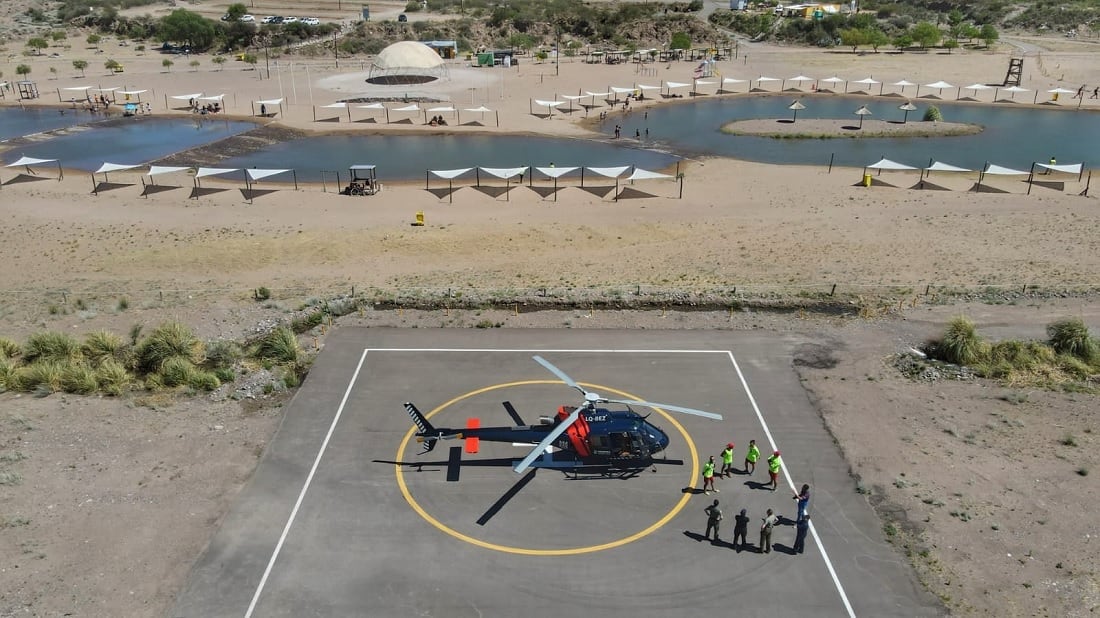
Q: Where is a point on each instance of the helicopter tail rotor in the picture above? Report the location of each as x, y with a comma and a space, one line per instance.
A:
425, 432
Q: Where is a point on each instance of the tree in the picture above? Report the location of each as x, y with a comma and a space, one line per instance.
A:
53, 71
926, 34
183, 26
876, 38
988, 34
218, 60
903, 41
194, 65
950, 44
853, 37
38, 44
23, 70
955, 17
235, 11
521, 41
80, 65
58, 35
680, 40
112, 65
93, 40
251, 60
167, 64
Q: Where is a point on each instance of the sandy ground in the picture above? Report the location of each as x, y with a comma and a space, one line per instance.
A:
107, 502
788, 127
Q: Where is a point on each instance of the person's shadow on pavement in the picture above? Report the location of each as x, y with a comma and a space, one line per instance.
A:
758, 485
783, 549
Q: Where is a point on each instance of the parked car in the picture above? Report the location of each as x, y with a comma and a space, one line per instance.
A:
247, 18
311, 21
289, 20
402, 17
270, 19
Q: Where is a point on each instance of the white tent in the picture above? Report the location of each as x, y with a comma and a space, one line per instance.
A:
337, 105
251, 175
887, 164
640, 174
482, 109
939, 85
549, 105
264, 103
731, 81
450, 175
29, 162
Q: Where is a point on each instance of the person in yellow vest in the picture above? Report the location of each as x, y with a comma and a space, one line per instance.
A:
773, 469
751, 457
708, 476
727, 461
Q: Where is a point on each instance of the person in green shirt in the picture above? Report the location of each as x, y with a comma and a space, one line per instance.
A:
773, 469
708, 476
751, 457
727, 461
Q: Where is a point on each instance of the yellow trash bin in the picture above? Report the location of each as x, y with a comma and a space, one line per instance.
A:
1055, 97
866, 180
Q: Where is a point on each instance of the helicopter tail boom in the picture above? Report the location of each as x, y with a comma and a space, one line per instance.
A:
425, 432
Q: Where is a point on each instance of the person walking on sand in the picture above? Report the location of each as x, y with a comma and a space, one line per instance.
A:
800, 530
714, 520
727, 461
708, 476
751, 457
741, 530
769, 522
773, 469
1095, 93
803, 497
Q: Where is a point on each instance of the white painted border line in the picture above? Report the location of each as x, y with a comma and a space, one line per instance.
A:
305, 487
551, 350
790, 482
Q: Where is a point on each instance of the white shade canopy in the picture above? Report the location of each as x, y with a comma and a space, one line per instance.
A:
30, 161
114, 167
622, 90
185, 97
862, 111
646, 87
796, 105
271, 101
907, 106
214, 171
832, 80
573, 97
764, 78
371, 106
155, 170
867, 81
733, 80
80, 88
555, 172
1015, 89
504, 172
997, 170
702, 82
945, 167
1060, 91
449, 174
340, 105
800, 78
903, 83
441, 109
940, 84
676, 84
1073, 168
610, 172
640, 174
256, 174
106, 89
480, 108
213, 97
128, 92
596, 94
978, 87
548, 103
408, 108
887, 164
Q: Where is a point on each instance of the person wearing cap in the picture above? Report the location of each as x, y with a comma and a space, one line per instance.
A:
727, 461
708, 476
714, 519
803, 497
770, 521
773, 469
751, 457
741, 530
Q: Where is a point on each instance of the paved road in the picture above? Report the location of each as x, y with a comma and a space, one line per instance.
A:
384, 531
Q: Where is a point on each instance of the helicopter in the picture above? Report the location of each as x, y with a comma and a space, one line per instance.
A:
590, 435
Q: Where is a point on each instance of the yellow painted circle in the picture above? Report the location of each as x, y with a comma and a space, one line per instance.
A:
676, 508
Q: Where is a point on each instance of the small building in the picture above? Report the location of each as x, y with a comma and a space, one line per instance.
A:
445, 49
739, 5
27, 89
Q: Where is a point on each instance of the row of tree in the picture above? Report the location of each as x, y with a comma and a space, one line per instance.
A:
924, 34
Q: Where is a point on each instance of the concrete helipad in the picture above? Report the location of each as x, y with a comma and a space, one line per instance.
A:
344, 517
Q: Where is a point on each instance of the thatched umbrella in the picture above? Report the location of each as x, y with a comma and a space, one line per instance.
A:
797, 105
861, 112
908, 107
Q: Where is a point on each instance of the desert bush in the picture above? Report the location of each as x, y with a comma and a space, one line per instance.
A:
100, 345
1021, 355
933, 114
43, 375
308, 321
961, 344
203, 381
225, 374
280, 345
113, 378
7, 369
261, 293
50, 345
169, 340
1075, 367
1071, 336
79, 379
221, 353
8, 348
176, 371
153, 382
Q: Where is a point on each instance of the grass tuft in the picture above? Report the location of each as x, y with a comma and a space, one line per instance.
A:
203, 380
961, 344
50, 346
280, 345
176, 371
44, 376
79, 379
222, 354
169, 340
113, 378
1071, 336
8, 348
101, 345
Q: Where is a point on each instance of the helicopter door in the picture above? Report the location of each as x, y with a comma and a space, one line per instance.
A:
600, 445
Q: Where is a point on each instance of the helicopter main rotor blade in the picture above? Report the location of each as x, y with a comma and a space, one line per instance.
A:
558, 372
665, 406
540, 448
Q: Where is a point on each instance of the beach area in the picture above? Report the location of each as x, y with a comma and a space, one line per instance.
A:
119, 497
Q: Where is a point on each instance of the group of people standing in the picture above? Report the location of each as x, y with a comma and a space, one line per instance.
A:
741, 520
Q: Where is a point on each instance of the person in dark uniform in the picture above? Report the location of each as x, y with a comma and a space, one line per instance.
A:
741, 530
800, 530
714, 520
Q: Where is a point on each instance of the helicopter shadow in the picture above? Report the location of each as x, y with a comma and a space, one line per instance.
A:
453, 464
506, 498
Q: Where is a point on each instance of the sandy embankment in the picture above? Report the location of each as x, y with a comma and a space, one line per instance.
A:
787, 128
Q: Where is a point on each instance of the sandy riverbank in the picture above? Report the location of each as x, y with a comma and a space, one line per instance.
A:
789, 128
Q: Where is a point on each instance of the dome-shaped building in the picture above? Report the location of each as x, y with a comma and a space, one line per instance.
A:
407, 62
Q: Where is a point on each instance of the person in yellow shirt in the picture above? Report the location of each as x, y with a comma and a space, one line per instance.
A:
708, 476
773, 469
727, 461
751, 457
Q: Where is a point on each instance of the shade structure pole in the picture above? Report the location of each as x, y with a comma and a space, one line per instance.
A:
426, 172
616, 188
555, 188
582, 177
450, 191
1030, 177
294, 173
95, 189
477, 174
681, 177
314, 113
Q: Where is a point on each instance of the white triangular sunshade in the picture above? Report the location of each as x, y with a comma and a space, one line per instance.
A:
504, 172
555, 172
648, 87
408, 108
1074, 168
800, 78
903, 83
371, 106
449, 174
30, 161
1060, 91
106, 89
704, 83
132, 91
270, 102
549, 103
977, 87
335, 106
610, 172
939, 84
596, 94
640, 174
202, 172
114, 167
186, 97
866, 81
80, 88
155, 170
481, 108
733, 80
832, 80
213, 97
621, 90
997, 170
568, 97
945, 167
1015, 89
676, 84
256, 174
441, 109
887, 164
